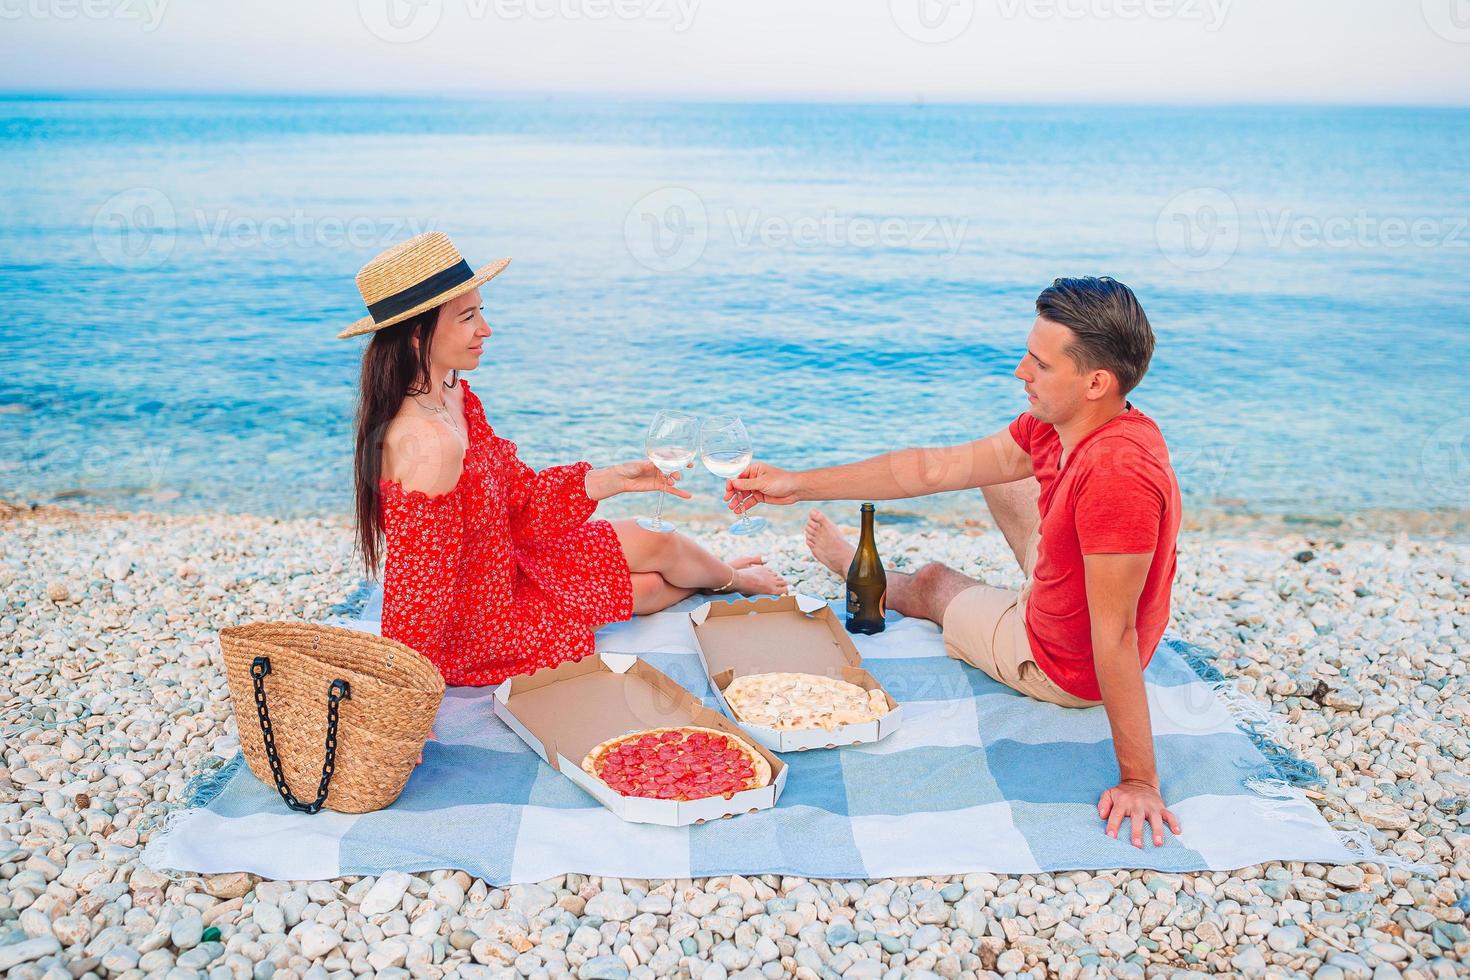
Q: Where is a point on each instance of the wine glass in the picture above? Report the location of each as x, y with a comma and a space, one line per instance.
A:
724, 448
672, 440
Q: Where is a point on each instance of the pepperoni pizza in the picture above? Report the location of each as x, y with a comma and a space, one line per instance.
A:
686, 763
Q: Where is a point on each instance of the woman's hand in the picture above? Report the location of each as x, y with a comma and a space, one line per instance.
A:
638, 476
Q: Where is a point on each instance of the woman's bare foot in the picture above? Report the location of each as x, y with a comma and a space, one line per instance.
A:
827, 544
752, 577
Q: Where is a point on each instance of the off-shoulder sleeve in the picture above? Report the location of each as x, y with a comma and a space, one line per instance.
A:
547, 503
424, 538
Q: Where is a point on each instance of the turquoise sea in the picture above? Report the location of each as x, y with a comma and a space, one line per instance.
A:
848, 278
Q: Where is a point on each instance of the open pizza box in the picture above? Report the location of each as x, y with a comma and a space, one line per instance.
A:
791, 633
564, 712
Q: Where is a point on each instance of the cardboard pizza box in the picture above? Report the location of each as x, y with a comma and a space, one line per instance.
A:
566, 711
791, 633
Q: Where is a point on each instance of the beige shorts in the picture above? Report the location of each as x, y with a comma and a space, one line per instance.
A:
986, 628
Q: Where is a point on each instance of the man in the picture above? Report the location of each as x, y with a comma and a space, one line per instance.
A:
1081, 486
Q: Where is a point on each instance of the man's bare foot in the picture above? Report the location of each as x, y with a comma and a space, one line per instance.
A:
827, 544
752, 577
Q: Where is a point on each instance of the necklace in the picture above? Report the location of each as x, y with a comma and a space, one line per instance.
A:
443, 412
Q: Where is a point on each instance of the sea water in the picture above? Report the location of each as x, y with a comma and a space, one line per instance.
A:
848, 279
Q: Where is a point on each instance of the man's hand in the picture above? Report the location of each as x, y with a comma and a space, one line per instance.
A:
1141, 803
897, 475
761, 483
1114, 583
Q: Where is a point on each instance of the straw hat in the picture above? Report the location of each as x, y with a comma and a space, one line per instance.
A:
415, 276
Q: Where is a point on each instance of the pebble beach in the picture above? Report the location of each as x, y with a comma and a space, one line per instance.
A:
1353, 634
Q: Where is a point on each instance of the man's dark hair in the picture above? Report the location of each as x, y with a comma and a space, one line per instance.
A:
1110, 327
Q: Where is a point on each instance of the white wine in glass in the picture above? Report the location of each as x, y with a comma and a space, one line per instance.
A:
725, 450
672, 441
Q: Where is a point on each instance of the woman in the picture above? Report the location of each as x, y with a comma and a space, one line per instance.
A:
492, 569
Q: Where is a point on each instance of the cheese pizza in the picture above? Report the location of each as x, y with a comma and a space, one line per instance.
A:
795, 702
686, 763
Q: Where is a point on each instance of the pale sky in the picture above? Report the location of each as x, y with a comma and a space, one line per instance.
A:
1148, 51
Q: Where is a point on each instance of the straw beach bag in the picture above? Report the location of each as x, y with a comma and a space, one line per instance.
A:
338, 714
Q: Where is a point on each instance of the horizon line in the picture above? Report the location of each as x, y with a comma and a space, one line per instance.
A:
918, 100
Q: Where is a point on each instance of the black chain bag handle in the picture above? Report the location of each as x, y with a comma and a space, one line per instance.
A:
336, 692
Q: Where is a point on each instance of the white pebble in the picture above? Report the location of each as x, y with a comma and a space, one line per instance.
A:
386, 893
612, 907
317, 941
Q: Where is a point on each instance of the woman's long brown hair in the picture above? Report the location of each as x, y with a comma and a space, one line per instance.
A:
391, 370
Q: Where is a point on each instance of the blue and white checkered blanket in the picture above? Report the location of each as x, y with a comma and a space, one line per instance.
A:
978, 778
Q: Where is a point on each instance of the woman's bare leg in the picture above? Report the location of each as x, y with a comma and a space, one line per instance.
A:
651, 593
684, 564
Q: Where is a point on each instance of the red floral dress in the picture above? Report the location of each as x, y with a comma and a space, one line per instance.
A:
504, 574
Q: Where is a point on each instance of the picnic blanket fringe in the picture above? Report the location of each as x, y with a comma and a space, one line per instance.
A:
1256, 722
1285, 774
1358, 840
356, 601
206, 784
209, 783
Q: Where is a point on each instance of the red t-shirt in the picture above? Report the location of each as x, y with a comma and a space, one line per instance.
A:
1117, 494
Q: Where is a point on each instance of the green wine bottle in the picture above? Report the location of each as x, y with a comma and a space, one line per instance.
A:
867, 585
